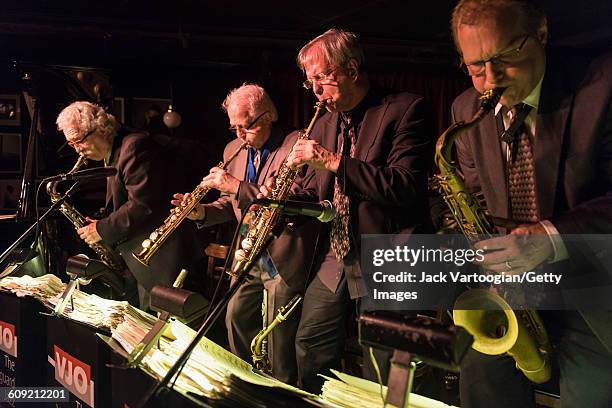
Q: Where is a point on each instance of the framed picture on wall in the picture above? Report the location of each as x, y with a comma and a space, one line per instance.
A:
147, 110
10, 110
10, 153
9, 194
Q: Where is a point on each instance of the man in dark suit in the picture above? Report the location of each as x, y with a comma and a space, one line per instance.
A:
137, 195
378, 185
283, 269
553, 175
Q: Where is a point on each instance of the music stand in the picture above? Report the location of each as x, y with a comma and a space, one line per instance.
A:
435, 343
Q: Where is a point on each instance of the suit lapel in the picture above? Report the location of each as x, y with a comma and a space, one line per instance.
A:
495, 189
368, 132
239, 165
277, 155
550, 128
329, 141
114, 161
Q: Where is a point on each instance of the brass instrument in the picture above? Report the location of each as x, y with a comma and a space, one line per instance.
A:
259, 348
265, 219
497, 329
177, 215
106, 254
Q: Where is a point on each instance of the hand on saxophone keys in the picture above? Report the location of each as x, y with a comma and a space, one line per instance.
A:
197, 214
526, 247
221, 180
89, 233
265, 190
310, 152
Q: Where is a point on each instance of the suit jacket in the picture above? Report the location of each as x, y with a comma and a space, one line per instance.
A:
139, 196
386, 180
292, 252
572, 153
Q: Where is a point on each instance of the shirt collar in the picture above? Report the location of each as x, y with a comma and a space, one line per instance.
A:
533, 99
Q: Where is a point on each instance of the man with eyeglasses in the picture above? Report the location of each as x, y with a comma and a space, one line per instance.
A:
137, 196
543, 159
370, 154
283, 269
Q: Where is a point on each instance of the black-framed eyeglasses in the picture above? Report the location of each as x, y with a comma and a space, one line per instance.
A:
500, 60
321, 76
73, 143
237, 129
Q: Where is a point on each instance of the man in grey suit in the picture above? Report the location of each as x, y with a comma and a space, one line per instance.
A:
554, 177
283, 269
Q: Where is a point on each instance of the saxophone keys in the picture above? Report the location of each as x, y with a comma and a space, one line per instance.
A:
240, 255
153, 236
146, 243
247, 244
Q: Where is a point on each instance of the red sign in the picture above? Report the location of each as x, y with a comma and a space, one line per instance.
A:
8, 340
73, 374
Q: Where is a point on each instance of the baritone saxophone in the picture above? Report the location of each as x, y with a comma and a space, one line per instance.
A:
177, 215
499, 329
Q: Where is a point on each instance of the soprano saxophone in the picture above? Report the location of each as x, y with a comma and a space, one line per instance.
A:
106, 254
499, 329
266, 218
177, 215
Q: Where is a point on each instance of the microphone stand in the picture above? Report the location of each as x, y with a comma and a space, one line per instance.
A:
161, 388
43, 217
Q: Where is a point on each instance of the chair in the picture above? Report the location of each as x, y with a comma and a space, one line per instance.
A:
217, 254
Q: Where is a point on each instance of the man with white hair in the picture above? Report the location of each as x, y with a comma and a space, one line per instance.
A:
283, 269
136, 197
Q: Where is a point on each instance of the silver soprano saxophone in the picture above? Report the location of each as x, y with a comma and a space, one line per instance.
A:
177, 215
106, 254
265, 218
497, 330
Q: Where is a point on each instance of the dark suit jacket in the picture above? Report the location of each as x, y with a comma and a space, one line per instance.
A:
292, 252
572, 150
386, 180
139, 196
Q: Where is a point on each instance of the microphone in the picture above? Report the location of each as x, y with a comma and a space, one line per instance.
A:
84, 175
324, 211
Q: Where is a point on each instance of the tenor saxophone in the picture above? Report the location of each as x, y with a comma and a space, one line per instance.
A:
265, 219
177, 215
498, 329
106, 254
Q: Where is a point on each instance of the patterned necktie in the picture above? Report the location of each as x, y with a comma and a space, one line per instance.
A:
521, 172
339, 234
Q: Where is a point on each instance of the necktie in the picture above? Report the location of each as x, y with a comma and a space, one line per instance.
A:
521, 171
339, 234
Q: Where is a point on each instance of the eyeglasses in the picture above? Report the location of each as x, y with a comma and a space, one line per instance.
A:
73, 143
499, 61
308, 84
237, 129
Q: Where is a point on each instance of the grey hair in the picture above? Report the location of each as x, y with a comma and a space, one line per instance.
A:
473, 12
252, 96
335, 46
86, 117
